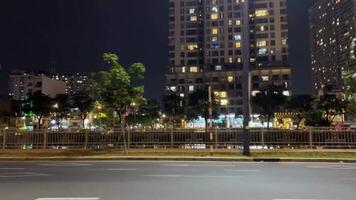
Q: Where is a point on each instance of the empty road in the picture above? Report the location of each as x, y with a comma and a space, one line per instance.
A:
125, 180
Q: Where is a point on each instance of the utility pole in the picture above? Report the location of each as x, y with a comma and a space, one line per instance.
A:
211, 120
246, 77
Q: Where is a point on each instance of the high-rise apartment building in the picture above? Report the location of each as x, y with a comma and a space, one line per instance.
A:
332, 29
76, 83
206, 47
23, 84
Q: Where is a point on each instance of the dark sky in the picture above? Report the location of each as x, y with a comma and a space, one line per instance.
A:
74, 34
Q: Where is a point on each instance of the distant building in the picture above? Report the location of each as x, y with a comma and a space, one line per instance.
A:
9, 111
22, 84
206, 48
332, 29
76, 83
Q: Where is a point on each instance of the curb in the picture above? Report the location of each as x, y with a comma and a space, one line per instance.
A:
168, 158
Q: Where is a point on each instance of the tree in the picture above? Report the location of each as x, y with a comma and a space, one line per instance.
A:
83, 103
331, 106
38, 104
115, 86
349, 79
300, 105
198, 106
145, 114
173, 106
60, 107
268, 101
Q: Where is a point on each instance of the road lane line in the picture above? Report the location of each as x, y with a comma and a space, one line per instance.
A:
65, 164
242, 170
189, 176
21, 174
69, 198
122, 169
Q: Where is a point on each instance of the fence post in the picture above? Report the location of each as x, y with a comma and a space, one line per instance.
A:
311, 138
263, 138
172, 138
44, 139
128, 138
86, 139
216, 138
3, 139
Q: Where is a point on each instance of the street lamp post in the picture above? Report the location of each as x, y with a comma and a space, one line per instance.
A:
246, 77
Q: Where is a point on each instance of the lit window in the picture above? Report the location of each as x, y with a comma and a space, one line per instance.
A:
286, 93
191, 11
261, 43
214, 31
262, 51
191, 88
223, 94
173, 89
239, 60
238, 22
284, 41
238, 44
230, 79
261, 13
218, 67
183, 69
265, 78
223, 102
193, 18
192, 47
237, 37
214, 16
194, 69
230, 60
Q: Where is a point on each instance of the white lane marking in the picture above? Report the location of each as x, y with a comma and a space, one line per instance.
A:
298, 199
21, 174
69, 198
11, 168
195, 165
188, 176
242, 170
65, 164
122, 169
331, 167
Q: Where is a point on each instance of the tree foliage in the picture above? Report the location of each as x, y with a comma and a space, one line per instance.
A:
172, 105
83, 103
198, 105
300, 105
115, 87
349, 79
268, 101
38, 104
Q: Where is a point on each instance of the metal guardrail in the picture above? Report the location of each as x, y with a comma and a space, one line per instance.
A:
179, 138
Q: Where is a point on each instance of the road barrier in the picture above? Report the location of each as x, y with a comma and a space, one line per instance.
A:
179, 138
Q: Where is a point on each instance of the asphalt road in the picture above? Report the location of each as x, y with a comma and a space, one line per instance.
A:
125, 180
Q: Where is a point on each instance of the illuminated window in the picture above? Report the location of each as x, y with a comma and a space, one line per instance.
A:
223, 102
191, 11
238, 22
237, 37
193, 18
230, 60
223, 94
183, 69
239, 60
265, 78
218, 67
192, 47
194, 69
214, 16
262, 51
214, 31
261, 13
238, 44
230, 79
284, 41
261, 43
191, 88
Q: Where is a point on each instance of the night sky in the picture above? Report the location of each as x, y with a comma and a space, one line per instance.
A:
73, 34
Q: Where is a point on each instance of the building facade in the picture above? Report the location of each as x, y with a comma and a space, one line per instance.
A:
332, 30
23, 84
206, 47
76, 83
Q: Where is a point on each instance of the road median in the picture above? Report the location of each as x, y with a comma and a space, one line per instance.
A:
346, 156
